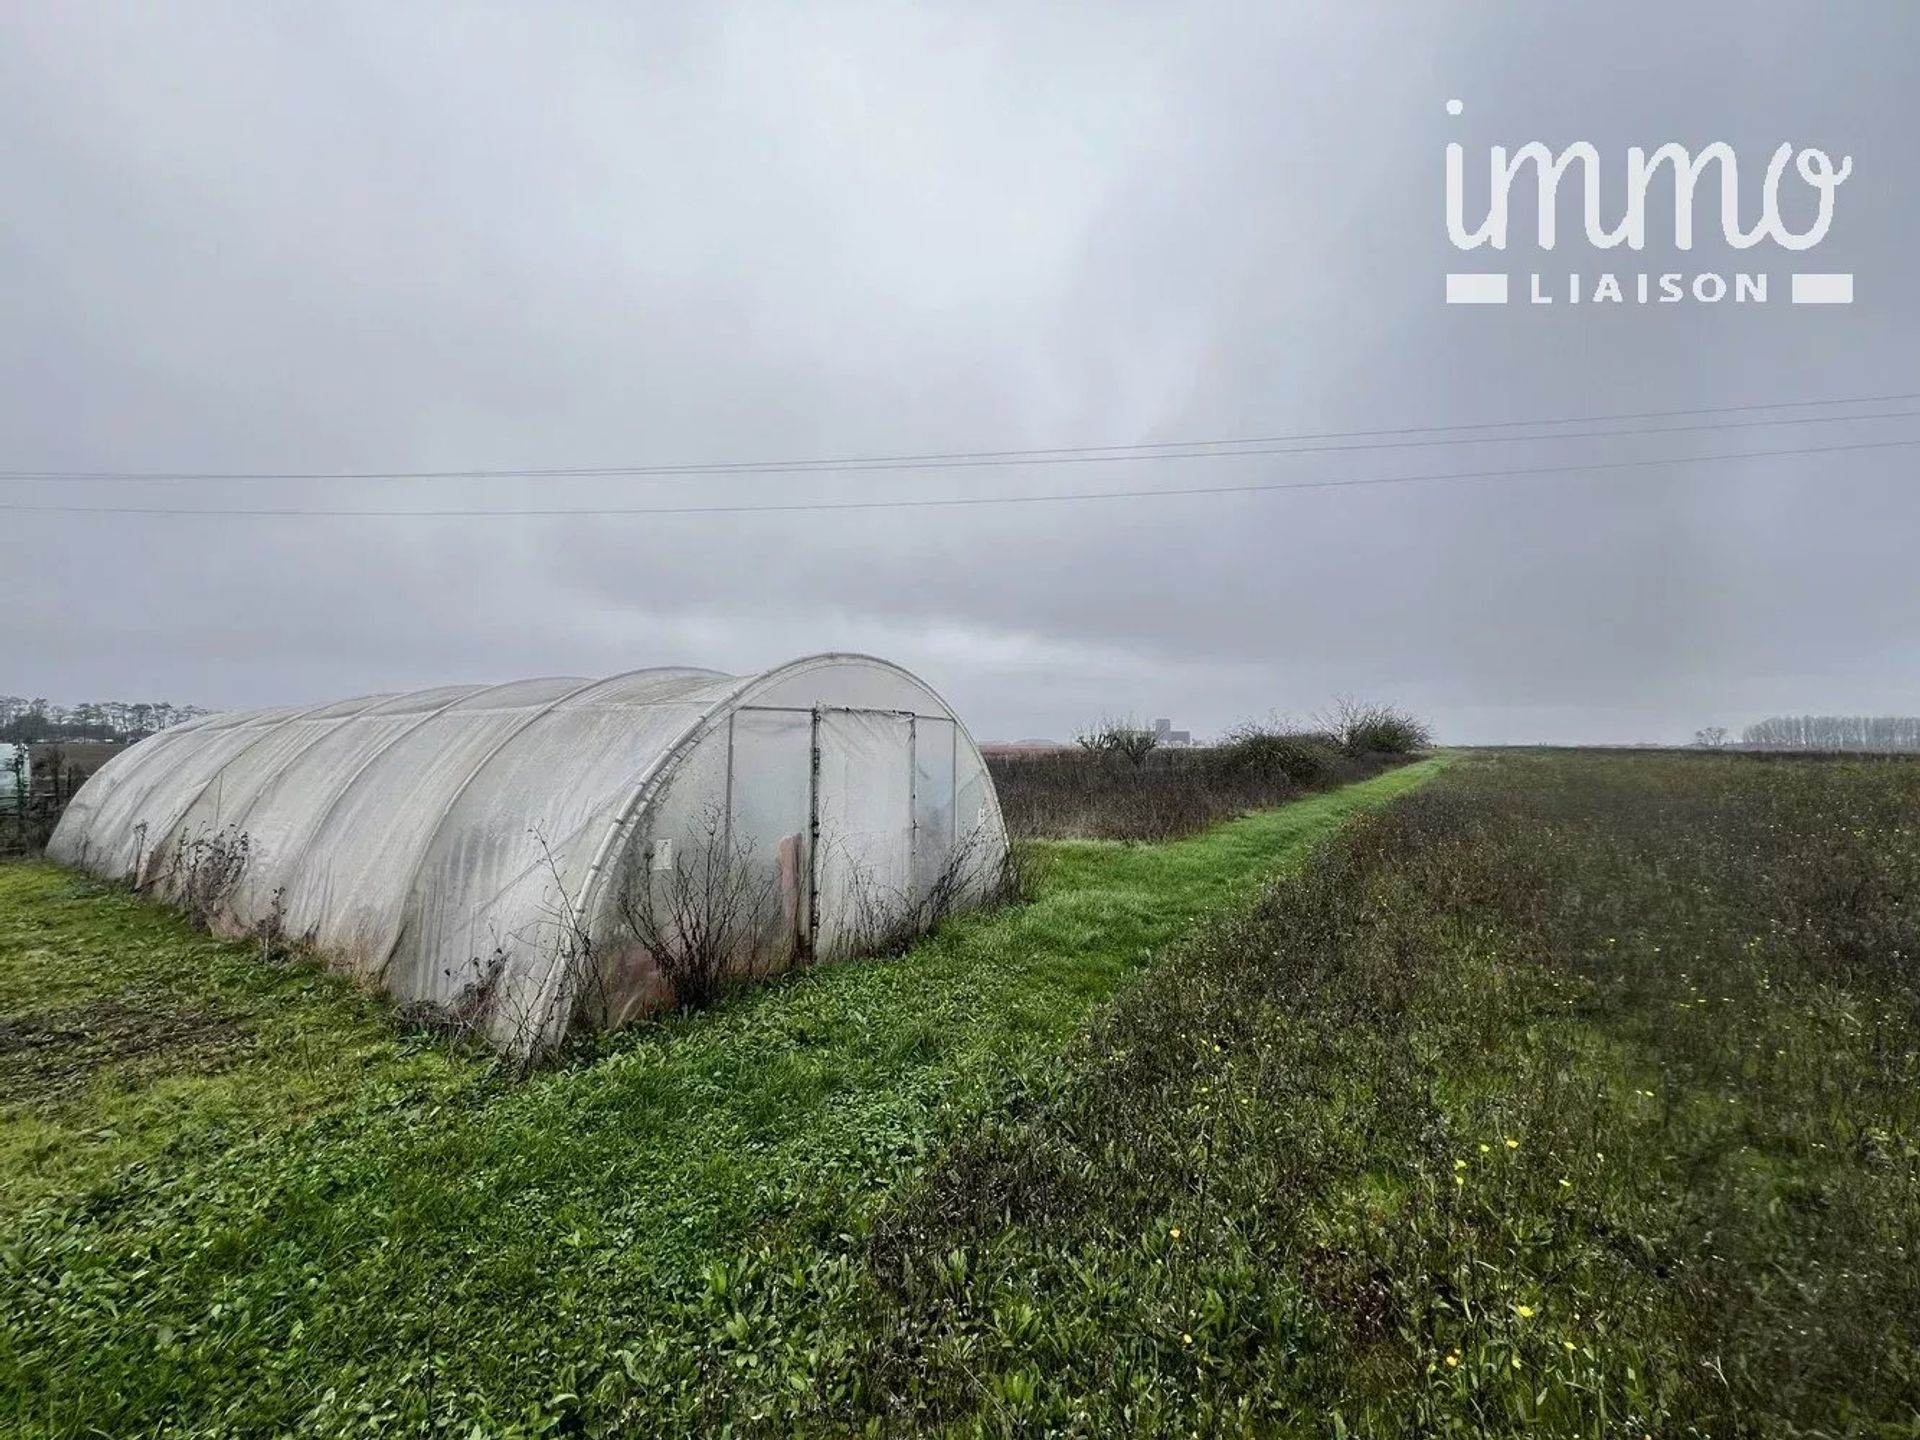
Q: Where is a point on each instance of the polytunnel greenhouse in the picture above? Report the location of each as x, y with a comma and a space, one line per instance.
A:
527, 859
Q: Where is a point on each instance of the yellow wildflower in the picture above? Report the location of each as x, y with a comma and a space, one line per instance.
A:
1174, 1232
1525, 1312
1452, 1360
1513, 1144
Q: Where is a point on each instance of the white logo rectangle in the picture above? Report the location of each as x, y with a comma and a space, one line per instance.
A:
1817, 289
1476, 288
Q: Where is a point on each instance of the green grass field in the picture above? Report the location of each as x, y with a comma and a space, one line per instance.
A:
239, 1199
1571, 1096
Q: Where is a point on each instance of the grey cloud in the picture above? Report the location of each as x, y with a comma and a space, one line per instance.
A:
363, 237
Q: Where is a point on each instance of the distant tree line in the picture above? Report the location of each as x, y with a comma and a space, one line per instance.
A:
26, 721
1834, 732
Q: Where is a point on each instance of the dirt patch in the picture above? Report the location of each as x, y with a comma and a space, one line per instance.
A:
48, 1056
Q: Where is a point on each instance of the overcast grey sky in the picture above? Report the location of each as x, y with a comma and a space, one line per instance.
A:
244, 237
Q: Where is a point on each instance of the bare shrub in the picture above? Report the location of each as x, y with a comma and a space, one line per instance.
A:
1364, 728
1021, 874
271, 930
1301, 756
204, 872
1068, 794
703, 913
459, 1024
886, 922
878, 919
1164, 793
974, 876
1120, 739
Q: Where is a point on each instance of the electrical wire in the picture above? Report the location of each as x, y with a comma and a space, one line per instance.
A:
942, 502
1301, 444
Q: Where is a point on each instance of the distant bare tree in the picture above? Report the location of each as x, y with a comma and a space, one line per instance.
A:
1710, 737
32, 720
1835, 732
1125, 739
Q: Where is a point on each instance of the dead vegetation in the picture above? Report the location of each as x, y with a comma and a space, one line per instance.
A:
202, 871
699, 915
886, 921
1105, 792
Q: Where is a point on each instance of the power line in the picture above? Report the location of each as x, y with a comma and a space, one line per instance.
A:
942, 502
1377, 439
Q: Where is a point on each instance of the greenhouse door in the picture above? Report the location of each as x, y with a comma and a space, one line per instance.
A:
769, 802
863, 807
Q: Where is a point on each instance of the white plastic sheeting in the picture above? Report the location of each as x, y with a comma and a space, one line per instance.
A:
480, 851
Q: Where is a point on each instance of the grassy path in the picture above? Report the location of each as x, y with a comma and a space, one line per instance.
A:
397, 1234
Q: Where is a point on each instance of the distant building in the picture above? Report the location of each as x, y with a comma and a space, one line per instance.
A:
1169, 738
